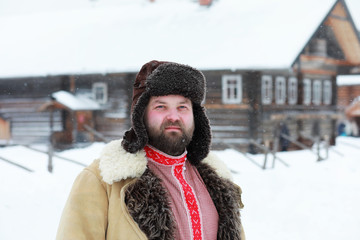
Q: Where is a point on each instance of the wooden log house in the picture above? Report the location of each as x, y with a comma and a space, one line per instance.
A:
246, 107
35, 114
333, 49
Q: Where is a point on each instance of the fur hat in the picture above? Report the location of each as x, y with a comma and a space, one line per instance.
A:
166, 78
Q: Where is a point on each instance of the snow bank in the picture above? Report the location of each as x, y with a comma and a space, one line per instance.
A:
307, 200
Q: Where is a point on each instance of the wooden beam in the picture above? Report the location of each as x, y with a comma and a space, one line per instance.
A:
304, 116
339, 11
348, 41
345, 33
325, 60
56, 155
72, 84
16, 164
318, 72
227, 106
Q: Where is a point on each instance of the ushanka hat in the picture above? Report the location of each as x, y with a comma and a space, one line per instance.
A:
158, 78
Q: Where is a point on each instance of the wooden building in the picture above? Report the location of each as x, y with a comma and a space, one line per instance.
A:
35, 113
255, 105
248, 107
347, 93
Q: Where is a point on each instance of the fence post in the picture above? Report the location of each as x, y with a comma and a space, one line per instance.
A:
50, 154
326, 139
267, 144
275, 149
275, 144
317, 142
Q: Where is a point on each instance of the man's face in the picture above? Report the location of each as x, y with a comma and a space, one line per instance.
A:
169, 121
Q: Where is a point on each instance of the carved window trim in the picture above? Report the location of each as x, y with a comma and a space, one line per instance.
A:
266, 89
231, 89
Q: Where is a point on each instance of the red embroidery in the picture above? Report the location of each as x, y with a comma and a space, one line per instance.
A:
162, 158
191, 203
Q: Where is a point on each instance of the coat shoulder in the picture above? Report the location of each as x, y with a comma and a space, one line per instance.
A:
218, 165
116, 164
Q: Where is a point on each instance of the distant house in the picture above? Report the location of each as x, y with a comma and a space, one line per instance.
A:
248, 106
41, 106
304, 98
333, 49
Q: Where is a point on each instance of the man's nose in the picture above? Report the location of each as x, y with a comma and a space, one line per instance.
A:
173, 115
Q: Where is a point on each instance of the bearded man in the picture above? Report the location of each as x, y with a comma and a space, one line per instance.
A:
160, 181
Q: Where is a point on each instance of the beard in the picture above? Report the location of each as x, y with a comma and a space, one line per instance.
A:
172, 143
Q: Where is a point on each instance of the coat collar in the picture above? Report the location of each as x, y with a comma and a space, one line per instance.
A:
116, 164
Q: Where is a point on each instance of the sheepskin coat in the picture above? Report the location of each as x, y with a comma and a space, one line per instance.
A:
118, 197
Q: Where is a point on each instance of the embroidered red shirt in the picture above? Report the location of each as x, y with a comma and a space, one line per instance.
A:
193, 195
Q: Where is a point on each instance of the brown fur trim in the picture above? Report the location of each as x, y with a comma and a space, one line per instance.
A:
139, 86
176, 79
136, 138
164, 78
148, 204
199, 146
227, 199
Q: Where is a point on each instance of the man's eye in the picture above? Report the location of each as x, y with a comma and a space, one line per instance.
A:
159, 107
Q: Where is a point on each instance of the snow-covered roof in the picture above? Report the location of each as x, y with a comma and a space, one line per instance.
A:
75, 103
348, 80
102, 36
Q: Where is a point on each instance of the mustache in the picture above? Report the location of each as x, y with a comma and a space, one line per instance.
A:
171, 124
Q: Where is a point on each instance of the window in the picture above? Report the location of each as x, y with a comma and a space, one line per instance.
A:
231, 89
307, 91
100, 92
292, 90
327, 92
317, 92
266, 89
280, 90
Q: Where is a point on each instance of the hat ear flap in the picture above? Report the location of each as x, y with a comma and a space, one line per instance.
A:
199, 146
129, 140
136, 137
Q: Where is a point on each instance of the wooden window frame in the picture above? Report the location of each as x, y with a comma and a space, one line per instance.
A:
280, 90
103, 88
307, 86
266, 89
327, 92
232, 91
317, 92
292, 90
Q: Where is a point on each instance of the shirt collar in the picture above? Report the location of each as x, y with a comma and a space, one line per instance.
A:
163, 158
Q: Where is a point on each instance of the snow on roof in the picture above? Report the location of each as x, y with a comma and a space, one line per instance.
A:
348, 80
114, 36
75, 103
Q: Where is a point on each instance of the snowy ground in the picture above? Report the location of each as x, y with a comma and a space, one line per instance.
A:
307, 200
